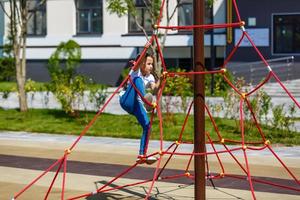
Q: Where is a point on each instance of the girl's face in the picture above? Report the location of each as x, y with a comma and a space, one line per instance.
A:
147, 66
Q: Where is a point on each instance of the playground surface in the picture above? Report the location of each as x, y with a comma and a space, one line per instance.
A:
95, 161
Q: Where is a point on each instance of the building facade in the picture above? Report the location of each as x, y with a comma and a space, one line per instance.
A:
107, 41
274, 26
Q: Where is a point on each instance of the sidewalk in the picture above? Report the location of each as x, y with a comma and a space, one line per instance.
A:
95, 161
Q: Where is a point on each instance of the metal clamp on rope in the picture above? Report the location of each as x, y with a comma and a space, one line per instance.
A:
223, 70
243, 26
154, 105
68, 151
243, 95
164, 74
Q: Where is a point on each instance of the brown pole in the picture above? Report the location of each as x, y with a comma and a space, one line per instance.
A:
199, 102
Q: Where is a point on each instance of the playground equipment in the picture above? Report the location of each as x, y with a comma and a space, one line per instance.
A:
170, 151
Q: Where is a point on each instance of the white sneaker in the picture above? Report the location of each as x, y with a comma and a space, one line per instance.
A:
149, 98
151, 159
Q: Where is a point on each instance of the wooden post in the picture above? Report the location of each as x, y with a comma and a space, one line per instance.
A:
199, 101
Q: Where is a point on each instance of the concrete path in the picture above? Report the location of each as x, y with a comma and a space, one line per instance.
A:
95, 161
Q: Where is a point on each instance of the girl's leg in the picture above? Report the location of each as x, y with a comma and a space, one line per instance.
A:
142, 117
141, 114
132, 103
129, 99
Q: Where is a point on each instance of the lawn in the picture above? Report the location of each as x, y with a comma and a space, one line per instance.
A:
126, 126
35, 86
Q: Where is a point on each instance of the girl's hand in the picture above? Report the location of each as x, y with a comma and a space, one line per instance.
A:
131, 63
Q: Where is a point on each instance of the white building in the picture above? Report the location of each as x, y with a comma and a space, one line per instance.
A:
107, 41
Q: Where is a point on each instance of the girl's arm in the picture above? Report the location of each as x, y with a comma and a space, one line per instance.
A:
155, 85
135, 64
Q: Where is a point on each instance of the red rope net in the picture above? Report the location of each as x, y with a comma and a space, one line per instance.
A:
172, 150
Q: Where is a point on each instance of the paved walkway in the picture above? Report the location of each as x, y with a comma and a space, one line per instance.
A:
95, 161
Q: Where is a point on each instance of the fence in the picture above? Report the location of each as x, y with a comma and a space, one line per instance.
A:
254, 72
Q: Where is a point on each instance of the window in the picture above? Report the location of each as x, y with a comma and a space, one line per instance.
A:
185, 13
143, 18
286, 34
36, 25
89, 17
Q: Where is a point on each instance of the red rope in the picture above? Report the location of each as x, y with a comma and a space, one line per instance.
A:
285, 89
208, 153
127, 185
218, 157
233, 51
204, 26
160, 127
257, 148
231, 85
242, 127
149, 131
169, 158
264, 182
117, 177
185, 121
249, 174
108, 183
40, 176
98, 114
256, 49
154, 178
260, 85
213, 122
53, 180
236, 10
189, 163
236, 160
160, 54
172, 74
255, 120
160, 12
282, 163
139, 93
240, 142
64, 179
157, 175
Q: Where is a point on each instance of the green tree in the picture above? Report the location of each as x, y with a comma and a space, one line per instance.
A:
7, 63
17, 15
128, 7
65, 84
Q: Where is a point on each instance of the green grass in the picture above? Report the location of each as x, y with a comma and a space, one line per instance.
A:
12, 86
38, 86
126, 126
8, 86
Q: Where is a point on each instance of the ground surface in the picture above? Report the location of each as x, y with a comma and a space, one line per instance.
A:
95, 161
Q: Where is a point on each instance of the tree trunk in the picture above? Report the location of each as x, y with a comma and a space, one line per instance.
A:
20, 75
20, 62
20, 55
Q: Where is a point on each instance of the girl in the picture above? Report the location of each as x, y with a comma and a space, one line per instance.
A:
130, 101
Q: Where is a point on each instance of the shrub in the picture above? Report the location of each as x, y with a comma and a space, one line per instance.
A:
65, 84
7, 63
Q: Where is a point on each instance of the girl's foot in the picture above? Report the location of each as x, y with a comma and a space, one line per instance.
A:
151, 159
141, 159
149, 98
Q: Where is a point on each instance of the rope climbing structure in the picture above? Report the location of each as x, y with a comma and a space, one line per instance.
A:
169, 152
